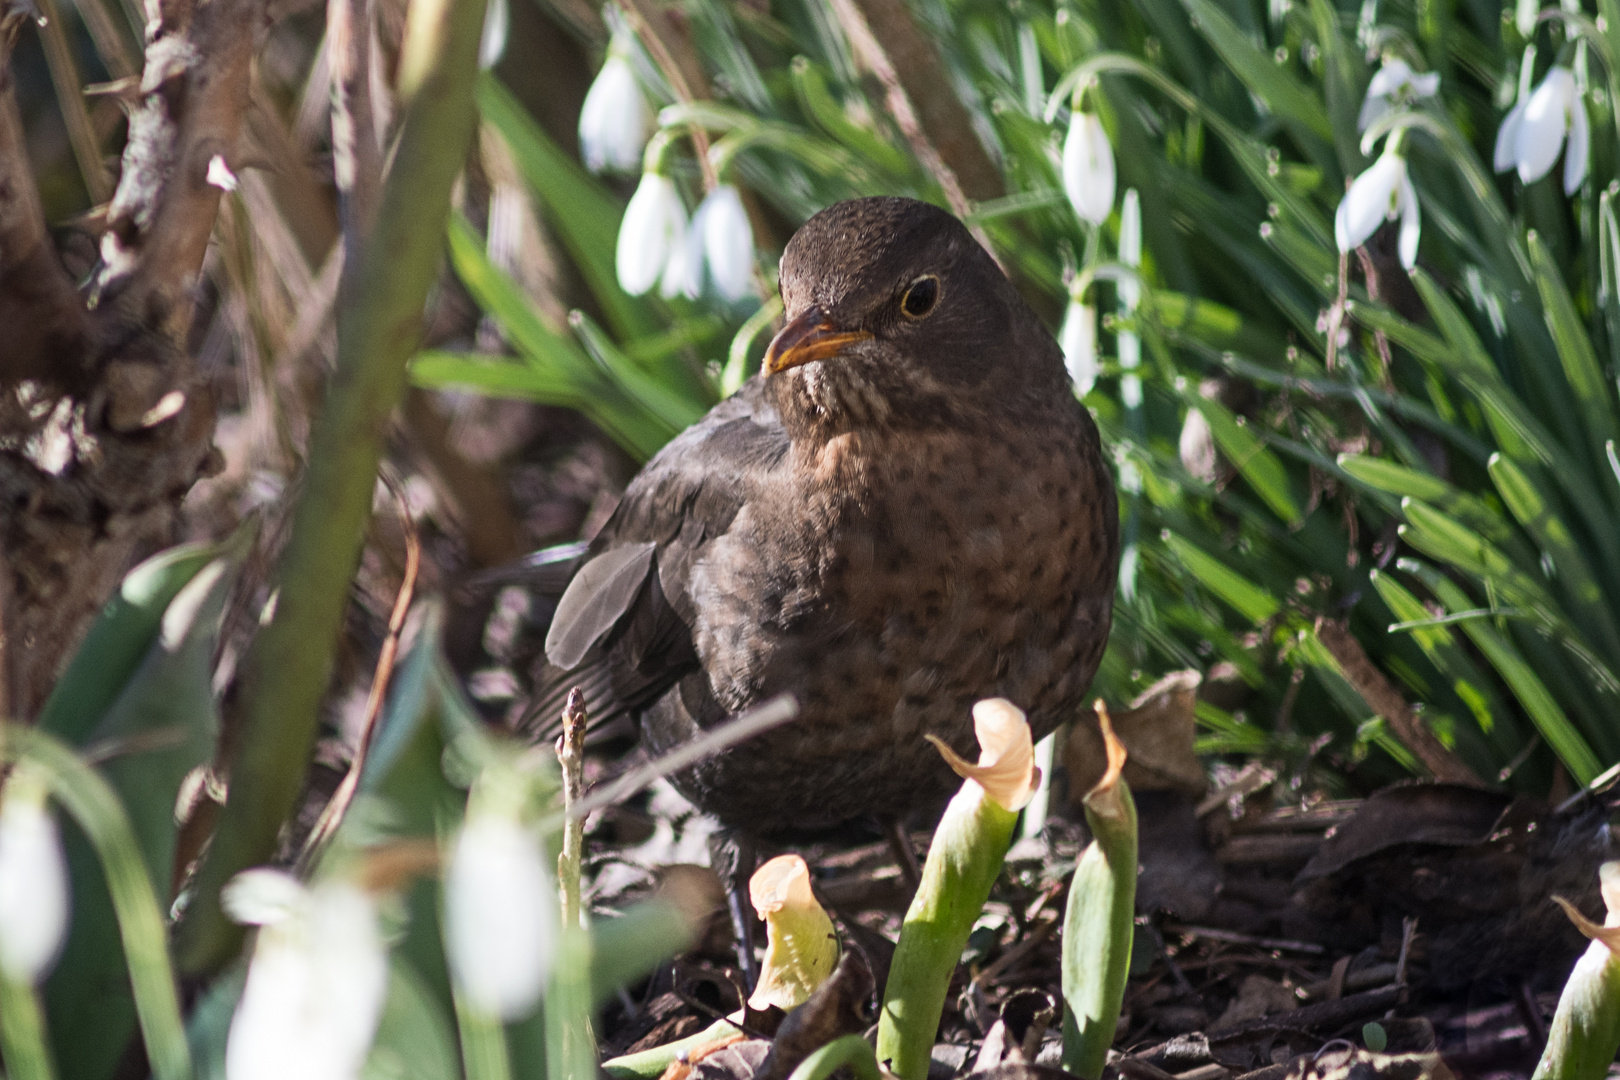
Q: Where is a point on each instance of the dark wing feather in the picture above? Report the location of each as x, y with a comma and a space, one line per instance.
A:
627, 611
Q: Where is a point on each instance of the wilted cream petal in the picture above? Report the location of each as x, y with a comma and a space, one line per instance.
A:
801, 947
1088, 168
1006, 768
1105, 797
34, 891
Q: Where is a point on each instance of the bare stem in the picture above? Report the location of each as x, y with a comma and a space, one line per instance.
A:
571, 756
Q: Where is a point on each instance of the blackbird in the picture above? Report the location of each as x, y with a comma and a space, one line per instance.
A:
905, 512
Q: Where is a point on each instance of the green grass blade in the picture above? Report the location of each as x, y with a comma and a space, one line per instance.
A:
1593, 395
1252, 602
1532, 694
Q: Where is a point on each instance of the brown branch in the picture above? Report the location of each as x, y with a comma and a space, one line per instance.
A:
932, 118
137, 431
1387, 702
193, 99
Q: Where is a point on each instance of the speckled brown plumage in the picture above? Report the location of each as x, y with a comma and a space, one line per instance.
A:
904, 524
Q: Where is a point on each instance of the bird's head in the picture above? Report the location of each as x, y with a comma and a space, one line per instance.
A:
897, 317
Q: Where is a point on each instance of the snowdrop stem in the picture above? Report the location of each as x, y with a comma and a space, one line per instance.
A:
93, 805
647, 24
483, 1041
570, 1043
22, 1032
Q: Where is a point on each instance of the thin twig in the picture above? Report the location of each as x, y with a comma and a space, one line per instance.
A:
778, 710
332, 816
1387, 702
571, 756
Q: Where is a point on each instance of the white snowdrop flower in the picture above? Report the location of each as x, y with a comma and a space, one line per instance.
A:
1394, 84
654, 226
316, 984
683, 272
1088, 168
34, 892
1533, 132
1078, 339
728, 241
500, 915
1381, 193
614, 122
497, 25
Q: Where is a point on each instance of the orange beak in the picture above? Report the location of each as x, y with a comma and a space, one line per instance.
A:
809, 337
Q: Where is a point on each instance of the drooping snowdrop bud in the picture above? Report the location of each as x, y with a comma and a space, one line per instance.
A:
1394, 84
654, 226
1381, 193
317, 981
33, 880
614, 123
1078, 339
500, 914
1088, 168
1533, 132
728, 242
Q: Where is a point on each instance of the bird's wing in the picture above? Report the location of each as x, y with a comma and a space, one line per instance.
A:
622, 631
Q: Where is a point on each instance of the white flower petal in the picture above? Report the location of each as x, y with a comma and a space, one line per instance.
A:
315, 991
497, 25
1505, 156
1395, 74
1341, 227
614, 121
1078, 339
263, 896
34, 894
1546, 118
1426, 85
1370, 200
683, 273
500, 916
1411, 223
1088, 168
728, 242
654, 224
1373, 110
1580, 146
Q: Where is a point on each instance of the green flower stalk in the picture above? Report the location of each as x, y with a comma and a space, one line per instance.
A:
1585, 1030
963, 861
1098, 925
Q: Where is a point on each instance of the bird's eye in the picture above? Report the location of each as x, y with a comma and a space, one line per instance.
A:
920, 297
